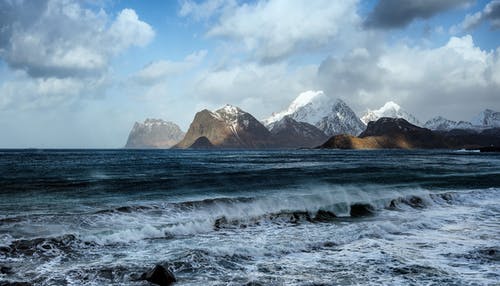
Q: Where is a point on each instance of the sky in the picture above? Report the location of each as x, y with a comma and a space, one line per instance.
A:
78, 74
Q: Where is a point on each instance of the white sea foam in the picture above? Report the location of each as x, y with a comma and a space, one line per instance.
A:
434, 244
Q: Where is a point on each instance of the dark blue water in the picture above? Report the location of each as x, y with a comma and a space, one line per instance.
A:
102, 217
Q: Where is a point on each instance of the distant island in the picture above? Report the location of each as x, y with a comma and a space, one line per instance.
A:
314, 120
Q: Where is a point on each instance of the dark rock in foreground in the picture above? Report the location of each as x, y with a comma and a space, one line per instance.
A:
5, 269
490, 149
361, 210
9, 283
159, 275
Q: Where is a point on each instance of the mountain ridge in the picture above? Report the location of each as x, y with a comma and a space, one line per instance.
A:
154, 133
331, 115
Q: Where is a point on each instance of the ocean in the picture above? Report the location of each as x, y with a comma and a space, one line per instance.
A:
294, 217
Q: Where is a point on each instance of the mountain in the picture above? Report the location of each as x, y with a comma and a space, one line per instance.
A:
397, 133
440, 123
154, 133
228, 127
488, 118
330, 115
390, 109
201, 143
485, 120
388, 133
289, 133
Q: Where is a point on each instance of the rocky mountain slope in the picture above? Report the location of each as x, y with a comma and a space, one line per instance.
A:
397, 133
440, 123
330, 115
488, 119
154, 133
392, 110
228, 127
289, 133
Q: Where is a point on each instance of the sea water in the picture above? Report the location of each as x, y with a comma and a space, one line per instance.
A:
306, 217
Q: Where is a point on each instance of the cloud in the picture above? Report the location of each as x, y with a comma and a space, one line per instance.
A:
274, 30
62, 44
64, 39
158, 71
389, 14
24, 92
206, 9
259, 89
352, 74
455, 80
490, 13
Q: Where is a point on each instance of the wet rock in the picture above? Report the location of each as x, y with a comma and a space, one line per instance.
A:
41, 245
220, 222
9, 283
361, 210
253, 283
490, 253
393, 205
329, 244
5, 269
159, 275
415, 202
324, 216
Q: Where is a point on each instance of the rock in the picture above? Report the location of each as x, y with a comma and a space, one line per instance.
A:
490, 149
361, 210
329, 114
10, 283
414, 202
201, 143
159, 275
489, 253
5, 269
289, 133
227, 128
154, 133
324, 216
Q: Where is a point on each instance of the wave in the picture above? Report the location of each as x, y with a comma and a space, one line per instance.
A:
319, 205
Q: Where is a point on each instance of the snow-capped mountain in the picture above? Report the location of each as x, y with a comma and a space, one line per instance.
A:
228, 127
484, 120
154, 133
330, 115
392, 110
440, 123
487, 119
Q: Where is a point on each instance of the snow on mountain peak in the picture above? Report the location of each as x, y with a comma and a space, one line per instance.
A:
390, 105
390, 109
487, 118
229, 109
305, 98
329, 114
442, 124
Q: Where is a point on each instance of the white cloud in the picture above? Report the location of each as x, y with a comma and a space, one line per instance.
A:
127, 30
490, 13
24, 92
206, 9
455, 80
259, 89
273, 30
63, 48
161, 69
